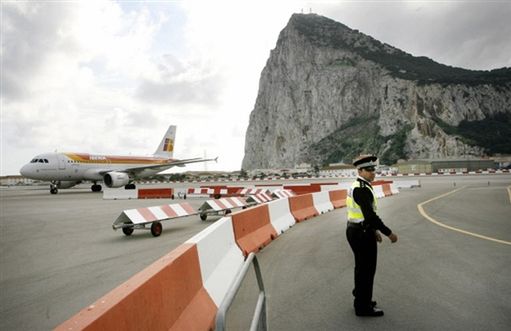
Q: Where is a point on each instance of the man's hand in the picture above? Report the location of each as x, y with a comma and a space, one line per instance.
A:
378, 236
393, 237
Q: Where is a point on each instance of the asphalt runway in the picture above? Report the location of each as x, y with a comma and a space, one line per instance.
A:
59, 254
431, 279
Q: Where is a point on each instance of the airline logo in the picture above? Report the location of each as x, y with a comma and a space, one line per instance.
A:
168, 146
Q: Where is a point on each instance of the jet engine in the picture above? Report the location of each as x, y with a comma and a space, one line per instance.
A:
116, 179
66, 183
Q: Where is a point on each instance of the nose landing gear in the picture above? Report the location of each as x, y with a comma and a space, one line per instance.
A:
53, 188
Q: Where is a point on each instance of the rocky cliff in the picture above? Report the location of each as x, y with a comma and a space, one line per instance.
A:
328, 93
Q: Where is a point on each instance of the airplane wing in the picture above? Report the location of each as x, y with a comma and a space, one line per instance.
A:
179, 163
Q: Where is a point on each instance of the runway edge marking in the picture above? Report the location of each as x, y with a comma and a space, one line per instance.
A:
432, 220
509, 192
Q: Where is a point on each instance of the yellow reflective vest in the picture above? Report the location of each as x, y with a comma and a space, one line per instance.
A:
355, 214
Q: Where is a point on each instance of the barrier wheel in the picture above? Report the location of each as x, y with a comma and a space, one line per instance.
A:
217, 196
203, 216
127, 231
227, 212
156, 229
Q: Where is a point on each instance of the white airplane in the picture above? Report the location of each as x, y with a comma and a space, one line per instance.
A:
65, 170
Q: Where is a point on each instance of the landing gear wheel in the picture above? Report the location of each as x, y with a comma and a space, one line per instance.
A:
95, 188
156, 229
127, 231
130, 187
203, 216
53, 189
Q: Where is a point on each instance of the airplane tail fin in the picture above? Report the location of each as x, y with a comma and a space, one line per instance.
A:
166, 147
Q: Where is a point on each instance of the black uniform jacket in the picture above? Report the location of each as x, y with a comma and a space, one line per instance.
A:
364, 198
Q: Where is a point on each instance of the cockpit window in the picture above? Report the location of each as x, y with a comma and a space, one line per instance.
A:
45, 160
33, 161
41, 161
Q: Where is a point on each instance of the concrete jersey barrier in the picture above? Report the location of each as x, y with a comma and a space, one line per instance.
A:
220, 258
378, 191
280, 215
338, 198
167, 295
183, 289
302, 207
253, 229
394, 189
119, 194
322, 202
386, 190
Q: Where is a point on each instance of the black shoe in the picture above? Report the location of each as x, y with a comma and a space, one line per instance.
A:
373, 304
372, 312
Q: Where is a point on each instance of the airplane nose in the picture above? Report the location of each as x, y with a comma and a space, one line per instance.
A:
24, 170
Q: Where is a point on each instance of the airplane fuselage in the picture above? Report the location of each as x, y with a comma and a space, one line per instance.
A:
83, 166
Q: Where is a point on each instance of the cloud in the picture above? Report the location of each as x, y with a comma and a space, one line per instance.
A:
181, 83
109, 77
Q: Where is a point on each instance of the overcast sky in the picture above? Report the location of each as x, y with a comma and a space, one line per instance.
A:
109, 77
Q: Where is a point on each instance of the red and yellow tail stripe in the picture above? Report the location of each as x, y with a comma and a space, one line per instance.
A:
168, 145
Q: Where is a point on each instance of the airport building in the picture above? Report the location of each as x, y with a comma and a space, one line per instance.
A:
15, 180
444, 165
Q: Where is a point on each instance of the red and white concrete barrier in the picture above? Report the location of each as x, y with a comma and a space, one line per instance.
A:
220, 258
322, 202
280, 215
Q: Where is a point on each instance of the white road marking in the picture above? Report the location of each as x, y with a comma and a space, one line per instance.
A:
432, 220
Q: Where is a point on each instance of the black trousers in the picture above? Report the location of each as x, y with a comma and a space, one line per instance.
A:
363, 244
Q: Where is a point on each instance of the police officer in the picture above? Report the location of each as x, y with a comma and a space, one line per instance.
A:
363, 231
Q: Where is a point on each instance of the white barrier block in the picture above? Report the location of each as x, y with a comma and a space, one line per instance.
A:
394, 189
220, 258
378, 190
321, 201
280, 215
119, 194
329, 187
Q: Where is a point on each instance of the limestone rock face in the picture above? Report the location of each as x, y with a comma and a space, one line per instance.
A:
328, 93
